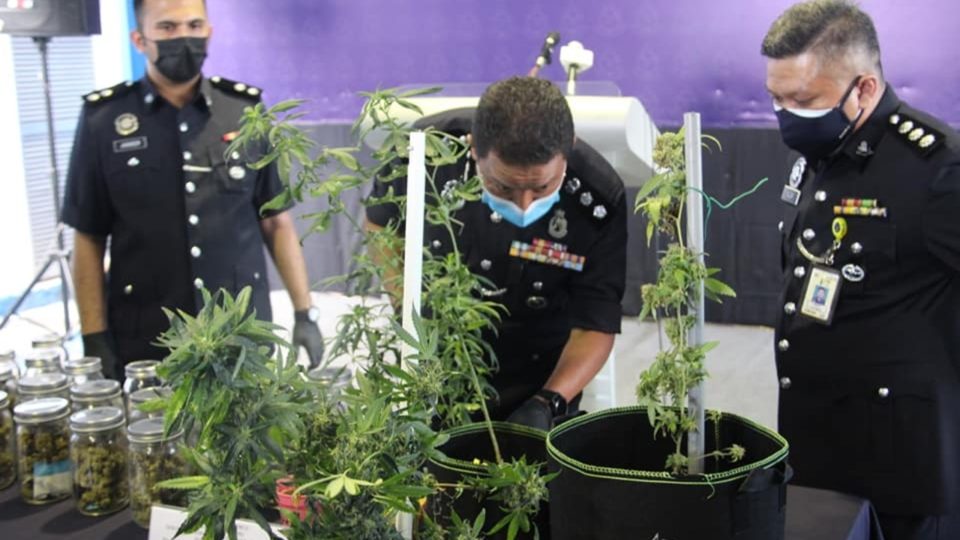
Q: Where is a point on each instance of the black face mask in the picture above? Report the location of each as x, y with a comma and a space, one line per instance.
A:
817, 134
180, 59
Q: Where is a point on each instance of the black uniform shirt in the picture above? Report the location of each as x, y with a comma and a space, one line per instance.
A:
871, 402
544, 300
180, 214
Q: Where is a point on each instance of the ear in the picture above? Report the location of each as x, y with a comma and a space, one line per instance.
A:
870, 89
136, 37
473, 149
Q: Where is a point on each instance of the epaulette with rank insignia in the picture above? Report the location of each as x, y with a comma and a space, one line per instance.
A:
918, 135
237, 88
106, 94
595, 183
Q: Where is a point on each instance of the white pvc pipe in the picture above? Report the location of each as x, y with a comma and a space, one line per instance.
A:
413, 239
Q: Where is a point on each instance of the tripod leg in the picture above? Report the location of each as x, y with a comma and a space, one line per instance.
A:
66, 291
26, 293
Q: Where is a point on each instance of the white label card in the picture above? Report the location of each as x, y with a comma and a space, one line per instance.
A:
165, 520
821, 293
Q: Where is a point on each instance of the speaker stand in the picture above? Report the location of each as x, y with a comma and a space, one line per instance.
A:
59, 255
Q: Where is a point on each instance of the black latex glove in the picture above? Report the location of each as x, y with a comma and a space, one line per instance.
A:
100, 344
535, 413
306, 334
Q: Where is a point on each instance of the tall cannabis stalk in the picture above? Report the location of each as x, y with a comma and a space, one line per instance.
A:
664, 387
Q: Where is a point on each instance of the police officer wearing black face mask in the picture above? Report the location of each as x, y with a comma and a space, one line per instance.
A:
149, 170
550, 235
868, 341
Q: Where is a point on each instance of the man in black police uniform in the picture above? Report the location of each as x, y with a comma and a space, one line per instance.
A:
148, 170
541, 188
870, 394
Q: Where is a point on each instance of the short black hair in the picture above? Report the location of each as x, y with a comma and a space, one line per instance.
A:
828, 28
138, 12
525, 120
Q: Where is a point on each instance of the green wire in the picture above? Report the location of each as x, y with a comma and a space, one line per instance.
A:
711, 200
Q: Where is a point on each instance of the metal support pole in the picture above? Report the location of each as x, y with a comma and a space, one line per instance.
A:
694, 168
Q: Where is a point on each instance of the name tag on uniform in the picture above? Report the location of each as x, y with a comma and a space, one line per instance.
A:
129, 145
820, 294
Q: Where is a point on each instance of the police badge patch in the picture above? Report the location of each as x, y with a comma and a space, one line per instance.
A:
126, 124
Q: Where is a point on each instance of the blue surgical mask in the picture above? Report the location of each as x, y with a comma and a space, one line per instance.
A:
817, 133
512, 213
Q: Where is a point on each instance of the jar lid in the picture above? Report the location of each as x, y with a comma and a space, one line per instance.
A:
8, 354
337, 377
149, 430
84, 365
43, 358
46, 341
92, 390
96, 419
146, 394
46, 382
41, 410
7, 371
141, 369
4, 400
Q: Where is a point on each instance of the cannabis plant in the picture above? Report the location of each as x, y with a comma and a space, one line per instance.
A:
664, 387
240, 398
364, 462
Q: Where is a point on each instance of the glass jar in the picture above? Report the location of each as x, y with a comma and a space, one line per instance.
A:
9, 357
8, 465
93, 394
330, 382
139, 397
8, 382
43, 450
85, 369
98, 449
140, 374
153, 459
44, 386
51, 343
42, 362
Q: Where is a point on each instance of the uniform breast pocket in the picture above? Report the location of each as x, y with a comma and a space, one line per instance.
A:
134, 183
872, 249
230, 172
543, 288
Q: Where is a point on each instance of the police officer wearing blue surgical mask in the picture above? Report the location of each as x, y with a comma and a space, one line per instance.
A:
549, 233
868, 341
150, 171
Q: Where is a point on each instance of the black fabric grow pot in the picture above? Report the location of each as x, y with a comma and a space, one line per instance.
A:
473, 442
612, 483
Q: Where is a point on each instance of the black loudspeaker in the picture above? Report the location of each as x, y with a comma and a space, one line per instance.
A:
50, 18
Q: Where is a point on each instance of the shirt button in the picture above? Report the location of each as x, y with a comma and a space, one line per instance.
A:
190, 187
883, 392
195, 252
789, 308
184, 127
256, 275
235, 155
193, 219
486, 264
785, 383
856, 248
436, 244
783, 345
538, 285
799, 272
187, 156
495, 217
780, 226
198, 283
820, 196
148, 99
128, 290
809, 234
